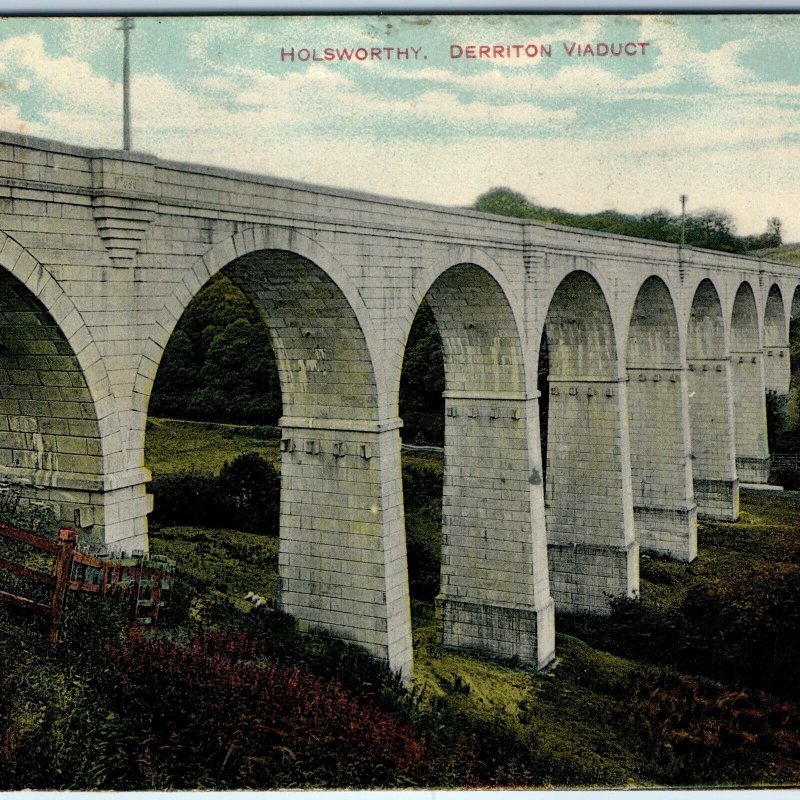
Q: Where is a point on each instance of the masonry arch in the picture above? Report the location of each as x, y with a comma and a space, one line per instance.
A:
61, 445
494, 594
777, 370
591, 541
711, 407
749, 399
342, 560
665, 513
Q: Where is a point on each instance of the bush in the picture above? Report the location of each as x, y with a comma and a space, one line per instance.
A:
245, 496
250, 490
219, 713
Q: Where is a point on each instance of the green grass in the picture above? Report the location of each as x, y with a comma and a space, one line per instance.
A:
220, 564
173, 445
618, 708
786, 252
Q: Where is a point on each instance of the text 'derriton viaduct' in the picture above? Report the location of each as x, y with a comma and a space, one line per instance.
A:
659, 360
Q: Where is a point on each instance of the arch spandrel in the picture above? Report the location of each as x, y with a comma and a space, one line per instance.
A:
510, 303
481, 342
775, 318
706, 332
48, 294
580, 330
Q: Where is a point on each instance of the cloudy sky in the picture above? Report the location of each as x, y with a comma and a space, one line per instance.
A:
712, 108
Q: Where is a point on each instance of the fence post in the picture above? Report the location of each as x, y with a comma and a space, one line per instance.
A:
63, 569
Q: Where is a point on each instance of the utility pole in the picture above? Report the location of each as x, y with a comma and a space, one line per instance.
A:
681, 267
684, 198
126, 27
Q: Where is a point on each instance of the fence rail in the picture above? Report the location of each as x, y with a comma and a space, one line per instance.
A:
141, 584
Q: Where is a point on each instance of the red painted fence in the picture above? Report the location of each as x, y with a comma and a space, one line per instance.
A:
141, 584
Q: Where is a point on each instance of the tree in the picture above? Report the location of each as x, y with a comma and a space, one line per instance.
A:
773, 236
504, 201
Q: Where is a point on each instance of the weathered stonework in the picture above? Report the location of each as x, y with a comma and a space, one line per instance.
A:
659, 362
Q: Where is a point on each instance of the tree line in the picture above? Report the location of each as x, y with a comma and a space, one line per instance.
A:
714, 229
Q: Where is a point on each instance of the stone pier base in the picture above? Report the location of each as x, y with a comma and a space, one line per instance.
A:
717, 499
496, 630
753, 470
585, 578
667, 531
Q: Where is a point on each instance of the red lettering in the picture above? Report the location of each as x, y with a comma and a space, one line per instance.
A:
470, 51
498, 51
287, 54
375, 53
361, 54
483, 51
302, 57
456, 51
628, 50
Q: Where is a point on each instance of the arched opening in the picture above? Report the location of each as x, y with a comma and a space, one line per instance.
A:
494, 595
591, 544
51, 456
792, 439
777, 369
421, 407
663, 500
716, 488
341, 555
749, 400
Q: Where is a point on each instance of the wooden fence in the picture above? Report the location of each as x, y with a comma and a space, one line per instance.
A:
141, 584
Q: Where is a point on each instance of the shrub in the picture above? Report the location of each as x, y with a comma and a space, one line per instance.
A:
250, 490
186, 497
218, 713
245, 496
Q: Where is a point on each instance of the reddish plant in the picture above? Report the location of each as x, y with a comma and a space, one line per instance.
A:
219, 713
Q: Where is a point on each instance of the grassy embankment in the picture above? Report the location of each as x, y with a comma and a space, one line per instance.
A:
668, 691
580, 715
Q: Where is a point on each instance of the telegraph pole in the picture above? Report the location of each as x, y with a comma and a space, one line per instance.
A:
684, 198
681, 269
126, 27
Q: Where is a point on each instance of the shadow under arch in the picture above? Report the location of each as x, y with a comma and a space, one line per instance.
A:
716, 487
494, 592
749, 396
591, 540
59, 451
665, 513
777, 370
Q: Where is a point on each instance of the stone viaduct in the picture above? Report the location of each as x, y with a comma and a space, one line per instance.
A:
659, 361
